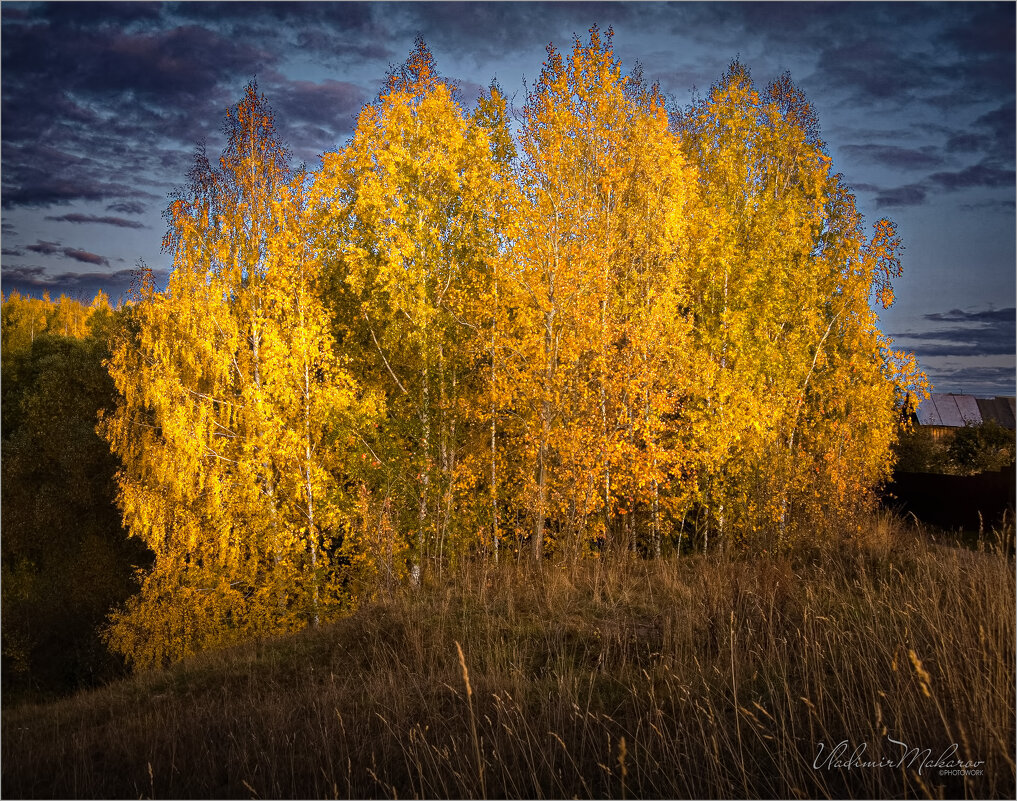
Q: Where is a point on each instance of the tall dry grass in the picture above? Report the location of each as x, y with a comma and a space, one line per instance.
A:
692, 677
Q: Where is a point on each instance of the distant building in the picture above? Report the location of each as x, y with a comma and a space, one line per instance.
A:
942, 414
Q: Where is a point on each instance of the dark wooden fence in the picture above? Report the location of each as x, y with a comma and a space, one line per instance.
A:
953, 502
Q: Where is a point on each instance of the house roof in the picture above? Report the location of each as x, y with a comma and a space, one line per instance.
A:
956, 411
999, 409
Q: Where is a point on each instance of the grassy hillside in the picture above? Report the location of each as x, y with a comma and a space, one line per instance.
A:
622, 678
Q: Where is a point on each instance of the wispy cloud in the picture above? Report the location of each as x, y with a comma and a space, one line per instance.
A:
974, 380
45, 248
908, 195
976, 175
119, 222
895, 156
128, 207
984, 332
1004, 206
983, 316
84, 256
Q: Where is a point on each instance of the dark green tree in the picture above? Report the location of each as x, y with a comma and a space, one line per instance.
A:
66, 560
982, 447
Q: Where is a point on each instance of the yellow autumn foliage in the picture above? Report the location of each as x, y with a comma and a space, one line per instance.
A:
618, 327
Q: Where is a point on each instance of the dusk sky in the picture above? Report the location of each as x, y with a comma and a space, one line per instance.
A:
103, 104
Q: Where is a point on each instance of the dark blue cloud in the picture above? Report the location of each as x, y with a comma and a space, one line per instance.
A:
128, 207
493, 29
315, 117
908, 195
992, 134
981, 29
90, 15
999, 206
895, 156
44, 176
984, 332
46, 248
973, 380
150, 64
873, 71
951, 53
84, 256
983, 316
976, 175
335, 34
279, 15
118, 222
93, 92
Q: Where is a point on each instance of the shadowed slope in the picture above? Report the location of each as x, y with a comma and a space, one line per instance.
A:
666, 678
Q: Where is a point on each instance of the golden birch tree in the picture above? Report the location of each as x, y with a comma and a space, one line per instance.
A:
782, 277
600, 276
235, 413
409, 227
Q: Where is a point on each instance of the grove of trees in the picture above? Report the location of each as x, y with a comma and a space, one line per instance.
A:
614, 326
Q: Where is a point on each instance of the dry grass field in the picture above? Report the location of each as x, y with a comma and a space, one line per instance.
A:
867, 670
